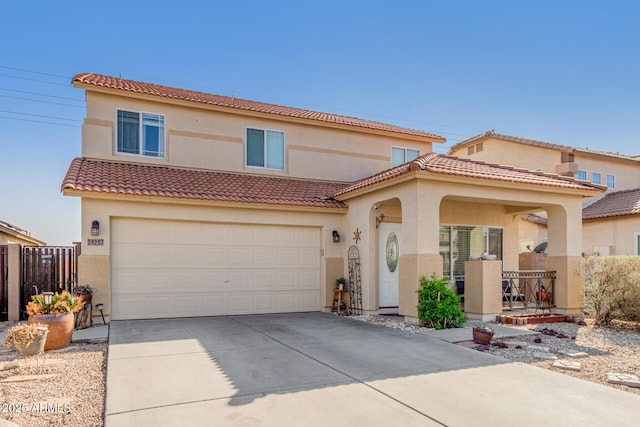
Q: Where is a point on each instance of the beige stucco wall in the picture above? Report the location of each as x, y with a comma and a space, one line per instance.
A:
626, 172
617, 233
531, 234
513, 154
205, 139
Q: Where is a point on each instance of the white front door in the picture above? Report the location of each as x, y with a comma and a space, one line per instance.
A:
389, 244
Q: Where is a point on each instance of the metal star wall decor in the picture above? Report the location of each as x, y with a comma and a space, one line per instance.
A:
356, 235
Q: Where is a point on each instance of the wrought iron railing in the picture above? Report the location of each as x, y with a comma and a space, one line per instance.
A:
528, 288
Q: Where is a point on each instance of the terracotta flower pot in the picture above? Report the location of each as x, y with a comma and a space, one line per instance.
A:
60, 329
481, 336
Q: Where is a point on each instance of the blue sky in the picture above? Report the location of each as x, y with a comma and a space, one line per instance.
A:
565, 72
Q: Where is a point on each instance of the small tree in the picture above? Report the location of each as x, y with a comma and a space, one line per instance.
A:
439, 306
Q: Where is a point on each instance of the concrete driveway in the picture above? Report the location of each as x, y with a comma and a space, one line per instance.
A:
317, 369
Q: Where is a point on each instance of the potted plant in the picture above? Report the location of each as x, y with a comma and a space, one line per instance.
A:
340, 282
482, 334
28, 339
57, 312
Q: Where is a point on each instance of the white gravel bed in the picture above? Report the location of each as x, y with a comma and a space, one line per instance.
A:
68, 390
610, 349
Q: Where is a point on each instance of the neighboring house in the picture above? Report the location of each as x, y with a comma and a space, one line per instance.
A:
604, 232
10, 234
611, 225
196, 204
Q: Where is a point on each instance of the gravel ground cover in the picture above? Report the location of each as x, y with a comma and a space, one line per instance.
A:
67, 387
609, 349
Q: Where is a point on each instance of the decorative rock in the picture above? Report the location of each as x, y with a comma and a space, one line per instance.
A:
521, 344
632, 383
574, 354
9, 365
538, 340
541, 348
567, 364
21, 378
544, 356
629, 380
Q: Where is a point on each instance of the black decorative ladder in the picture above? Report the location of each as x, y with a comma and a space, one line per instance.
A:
354, 285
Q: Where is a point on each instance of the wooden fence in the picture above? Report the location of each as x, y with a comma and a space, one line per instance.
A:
4, 282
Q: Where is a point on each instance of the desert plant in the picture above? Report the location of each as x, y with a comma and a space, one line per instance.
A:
24, 334
439, 306
61, 303
612, 288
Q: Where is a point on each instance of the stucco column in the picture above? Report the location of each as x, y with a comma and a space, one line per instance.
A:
421, 254
564, 256
13, 282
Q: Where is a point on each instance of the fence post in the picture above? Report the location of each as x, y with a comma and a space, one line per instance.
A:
13, 282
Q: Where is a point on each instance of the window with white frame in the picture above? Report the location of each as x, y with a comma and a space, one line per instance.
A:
265, 148
459, 243
402, 155
596, 178
140, 133
582, 175
611, 181
636, 243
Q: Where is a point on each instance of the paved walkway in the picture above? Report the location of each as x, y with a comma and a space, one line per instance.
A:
317, 369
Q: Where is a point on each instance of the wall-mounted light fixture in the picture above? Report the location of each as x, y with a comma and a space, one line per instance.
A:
95, 228
379, 219
336, 236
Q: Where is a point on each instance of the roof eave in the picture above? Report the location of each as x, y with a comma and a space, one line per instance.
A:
67, 190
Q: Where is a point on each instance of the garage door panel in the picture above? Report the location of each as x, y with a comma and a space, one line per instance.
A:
212, 269
189, 281
214, 257
309, 300
188, 256
264, 280
308, 258
264, 257
240, 257
309, 280
215, 234
239, 281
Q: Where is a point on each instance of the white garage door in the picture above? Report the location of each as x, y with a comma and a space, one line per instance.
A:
181, 269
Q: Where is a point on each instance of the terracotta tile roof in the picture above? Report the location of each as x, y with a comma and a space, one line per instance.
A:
614, 204
533, 142
141, 180
455, 166
242, 104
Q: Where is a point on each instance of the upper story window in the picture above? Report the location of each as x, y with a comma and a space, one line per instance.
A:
596, 178
611, 181
265, 148
582, 175
402, 155
140, 133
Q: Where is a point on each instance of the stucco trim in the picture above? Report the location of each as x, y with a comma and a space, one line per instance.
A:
98, 122
188, 134
338, 152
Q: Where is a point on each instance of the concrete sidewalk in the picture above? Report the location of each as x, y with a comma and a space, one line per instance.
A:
316, 369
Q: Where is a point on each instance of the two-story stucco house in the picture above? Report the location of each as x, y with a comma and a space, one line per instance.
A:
196, 204
611, 221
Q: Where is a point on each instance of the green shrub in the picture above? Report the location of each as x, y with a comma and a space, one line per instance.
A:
439, 306
612, 288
